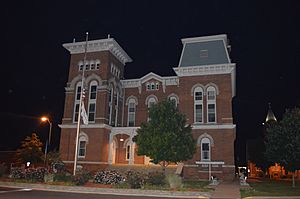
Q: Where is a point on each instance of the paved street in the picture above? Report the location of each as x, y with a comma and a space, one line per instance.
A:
9, 193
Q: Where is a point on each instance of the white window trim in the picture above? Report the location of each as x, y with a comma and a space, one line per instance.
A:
208, 102
131, 101
111, 104
92, 101
82, 138
117, 109
205, 140
76, 101
198, 102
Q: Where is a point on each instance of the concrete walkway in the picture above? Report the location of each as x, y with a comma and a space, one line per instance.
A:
227, 189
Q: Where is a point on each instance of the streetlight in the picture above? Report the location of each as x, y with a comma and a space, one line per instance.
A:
46, 119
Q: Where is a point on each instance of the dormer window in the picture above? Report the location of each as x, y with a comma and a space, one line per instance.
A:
203, 53
151, 86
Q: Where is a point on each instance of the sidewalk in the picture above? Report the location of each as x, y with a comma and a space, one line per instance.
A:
93, 190
227, 189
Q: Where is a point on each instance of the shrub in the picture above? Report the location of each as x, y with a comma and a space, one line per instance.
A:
135, 179
108, 177
17, 173
174, 181
35, 174
82, 177
62, 177
3, 169
156, 178
58, 167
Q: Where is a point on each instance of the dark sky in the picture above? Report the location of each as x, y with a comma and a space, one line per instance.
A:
264, 35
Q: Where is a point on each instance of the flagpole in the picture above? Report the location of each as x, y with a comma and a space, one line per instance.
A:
80, 105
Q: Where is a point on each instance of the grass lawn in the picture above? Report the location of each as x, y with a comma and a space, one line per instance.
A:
271, 188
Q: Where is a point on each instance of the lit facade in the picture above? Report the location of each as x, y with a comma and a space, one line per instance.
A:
203, 89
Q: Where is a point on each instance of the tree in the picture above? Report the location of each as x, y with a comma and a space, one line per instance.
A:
30, 150
256, 153
283, 141
165, 137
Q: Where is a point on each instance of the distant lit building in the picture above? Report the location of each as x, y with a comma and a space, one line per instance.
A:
203, 89
276, 171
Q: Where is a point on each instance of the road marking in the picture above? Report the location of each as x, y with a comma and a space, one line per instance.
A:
17, 190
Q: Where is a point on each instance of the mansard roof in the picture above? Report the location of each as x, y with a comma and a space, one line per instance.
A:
108, 44
203, 51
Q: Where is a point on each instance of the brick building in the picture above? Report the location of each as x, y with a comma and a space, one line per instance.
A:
202, 88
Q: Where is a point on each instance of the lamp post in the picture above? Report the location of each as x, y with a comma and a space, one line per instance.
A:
46, 119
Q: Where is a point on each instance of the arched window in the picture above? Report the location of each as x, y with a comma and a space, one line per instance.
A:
92, 101
131, 112
151, 101
211, 104
205, 149
77, 102
174, 98
82, 142
198, 105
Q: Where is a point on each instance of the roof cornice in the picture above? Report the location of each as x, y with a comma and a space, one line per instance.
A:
99, 45
205, 38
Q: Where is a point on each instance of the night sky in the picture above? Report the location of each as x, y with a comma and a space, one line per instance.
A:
264, 36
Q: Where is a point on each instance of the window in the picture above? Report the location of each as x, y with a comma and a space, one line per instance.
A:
82, 143
92, 112
128, 151
198, 105
82, 149
93, 91
110, 104
203, 53
78, 91
205, 149
80, 66
131, 112
211, 104
92, 101
87, 65
211, 112
199, 110
77, 102
174, 98
116, 108
152, 86
148, 86
151, 102
76, 111
157, 86
92, 65
97, 64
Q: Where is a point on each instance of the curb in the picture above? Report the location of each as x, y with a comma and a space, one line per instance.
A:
107, 191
